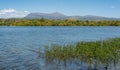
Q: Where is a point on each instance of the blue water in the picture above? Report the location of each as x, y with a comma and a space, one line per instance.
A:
18, 45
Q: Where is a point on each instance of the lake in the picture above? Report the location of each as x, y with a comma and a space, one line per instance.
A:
19, 45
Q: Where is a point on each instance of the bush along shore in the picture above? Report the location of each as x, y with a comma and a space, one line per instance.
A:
57, 22
95, 54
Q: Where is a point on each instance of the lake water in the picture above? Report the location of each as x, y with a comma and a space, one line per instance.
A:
18, 45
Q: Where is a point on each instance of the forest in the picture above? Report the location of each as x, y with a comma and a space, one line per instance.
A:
57, 22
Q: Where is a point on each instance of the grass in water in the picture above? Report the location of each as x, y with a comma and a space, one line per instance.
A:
104, 53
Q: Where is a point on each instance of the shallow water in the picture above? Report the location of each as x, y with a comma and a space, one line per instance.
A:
19, 45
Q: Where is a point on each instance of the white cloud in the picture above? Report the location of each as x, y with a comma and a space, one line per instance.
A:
5, 11
12, 13
26, 11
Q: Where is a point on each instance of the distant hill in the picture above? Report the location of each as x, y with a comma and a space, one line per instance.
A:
57, 15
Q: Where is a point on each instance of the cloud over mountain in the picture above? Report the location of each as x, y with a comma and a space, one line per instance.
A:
12, 13
5, 11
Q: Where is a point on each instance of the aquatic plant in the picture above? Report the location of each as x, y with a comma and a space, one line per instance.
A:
95, 53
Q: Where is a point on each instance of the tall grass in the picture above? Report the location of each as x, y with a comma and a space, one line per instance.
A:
94, 54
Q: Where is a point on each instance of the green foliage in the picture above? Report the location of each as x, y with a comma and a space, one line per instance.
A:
57, 22
93, 53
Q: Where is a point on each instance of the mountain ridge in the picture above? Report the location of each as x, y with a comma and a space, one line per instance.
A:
57, 15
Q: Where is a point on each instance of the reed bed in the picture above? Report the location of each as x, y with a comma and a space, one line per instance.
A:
96, 53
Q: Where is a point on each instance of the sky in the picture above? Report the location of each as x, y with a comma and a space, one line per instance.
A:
20, 8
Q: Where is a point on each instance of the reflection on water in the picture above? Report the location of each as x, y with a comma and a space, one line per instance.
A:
19, 45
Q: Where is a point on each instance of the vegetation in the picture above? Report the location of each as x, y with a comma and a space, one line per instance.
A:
94, 54
53, 22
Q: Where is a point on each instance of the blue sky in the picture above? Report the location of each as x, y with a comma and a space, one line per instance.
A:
20, 8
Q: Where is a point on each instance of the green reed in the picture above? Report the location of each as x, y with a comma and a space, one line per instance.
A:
105, 53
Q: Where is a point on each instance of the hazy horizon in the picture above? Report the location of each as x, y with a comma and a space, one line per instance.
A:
20, 8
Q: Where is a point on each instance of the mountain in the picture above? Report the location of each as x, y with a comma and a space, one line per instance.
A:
57, 15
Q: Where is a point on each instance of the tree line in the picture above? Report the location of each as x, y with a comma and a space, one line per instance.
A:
57, 22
